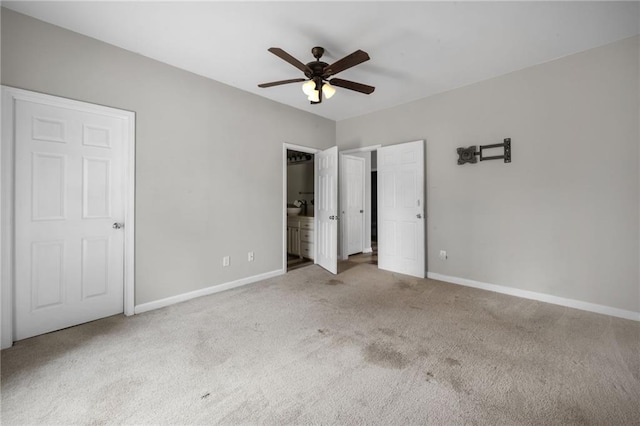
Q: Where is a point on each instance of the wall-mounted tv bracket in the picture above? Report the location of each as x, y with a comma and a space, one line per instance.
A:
470, 155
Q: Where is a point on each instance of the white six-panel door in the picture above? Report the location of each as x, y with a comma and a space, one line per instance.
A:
326, 203
354, 170
68, 195
401, 238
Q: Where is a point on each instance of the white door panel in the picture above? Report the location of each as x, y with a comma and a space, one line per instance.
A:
401, 245
327, 209
353, 217
69, 259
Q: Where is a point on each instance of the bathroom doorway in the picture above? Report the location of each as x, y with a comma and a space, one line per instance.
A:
300, 201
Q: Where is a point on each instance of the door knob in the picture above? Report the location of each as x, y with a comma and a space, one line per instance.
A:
419, 216
117, 225
361, 211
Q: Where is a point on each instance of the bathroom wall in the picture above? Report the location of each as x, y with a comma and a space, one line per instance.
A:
300, 179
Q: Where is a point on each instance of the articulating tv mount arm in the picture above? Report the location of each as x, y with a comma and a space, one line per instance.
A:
469, 155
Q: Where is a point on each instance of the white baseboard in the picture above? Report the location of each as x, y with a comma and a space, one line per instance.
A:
368, 250
542, 297
157, 304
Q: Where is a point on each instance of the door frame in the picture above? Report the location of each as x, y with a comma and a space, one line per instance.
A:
308, 150
342, 184
7, 185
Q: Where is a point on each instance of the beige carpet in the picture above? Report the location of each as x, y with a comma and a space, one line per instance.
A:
362, 347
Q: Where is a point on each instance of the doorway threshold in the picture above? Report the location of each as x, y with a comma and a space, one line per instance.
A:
296, 262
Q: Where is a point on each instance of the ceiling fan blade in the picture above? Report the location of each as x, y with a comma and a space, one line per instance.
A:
278, 83
348, 61
352, 85
293, 61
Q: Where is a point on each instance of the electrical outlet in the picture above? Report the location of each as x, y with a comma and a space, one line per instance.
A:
225, 261
250, 256
443, 254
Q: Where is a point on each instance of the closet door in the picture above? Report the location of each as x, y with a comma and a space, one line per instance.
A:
69, 206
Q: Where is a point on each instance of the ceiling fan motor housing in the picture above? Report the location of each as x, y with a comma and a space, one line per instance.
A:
317, 67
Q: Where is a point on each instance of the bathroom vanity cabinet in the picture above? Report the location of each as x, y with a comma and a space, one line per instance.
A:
300, 236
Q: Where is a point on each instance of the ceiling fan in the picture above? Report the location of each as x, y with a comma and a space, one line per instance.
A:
318, 73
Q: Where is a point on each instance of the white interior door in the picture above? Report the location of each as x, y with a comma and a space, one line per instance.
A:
353, 218
327, 209
69, 178
401, 208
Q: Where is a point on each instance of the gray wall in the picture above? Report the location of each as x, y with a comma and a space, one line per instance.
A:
208, 184
563, 217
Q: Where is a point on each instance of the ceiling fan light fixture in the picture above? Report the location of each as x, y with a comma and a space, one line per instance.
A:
308, 87
328, 90
314, 96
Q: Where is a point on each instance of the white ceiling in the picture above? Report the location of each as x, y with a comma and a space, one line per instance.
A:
417, 48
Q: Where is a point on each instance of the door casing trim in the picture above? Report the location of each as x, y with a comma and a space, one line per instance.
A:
7, 186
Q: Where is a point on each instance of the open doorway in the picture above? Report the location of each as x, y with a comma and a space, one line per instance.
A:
319, 226
401, 208
394, 224
300, 234
359, 204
